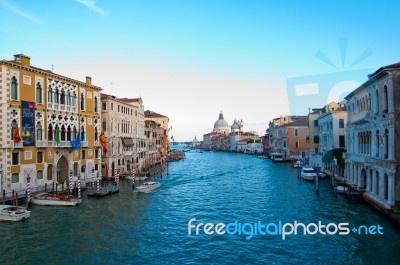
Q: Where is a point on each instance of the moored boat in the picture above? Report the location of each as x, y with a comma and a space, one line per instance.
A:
340, 189
308, 173
55, 199
298, 164
148, 186
13, 213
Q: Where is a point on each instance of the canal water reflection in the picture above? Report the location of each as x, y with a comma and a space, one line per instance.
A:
130, 227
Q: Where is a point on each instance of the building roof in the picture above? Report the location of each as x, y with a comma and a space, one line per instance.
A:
129, 100
47, 72
152, 114
377, 74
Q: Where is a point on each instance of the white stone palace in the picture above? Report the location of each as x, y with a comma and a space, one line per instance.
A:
373, 122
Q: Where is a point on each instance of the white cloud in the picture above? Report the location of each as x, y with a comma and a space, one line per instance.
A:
19, 12
91, 4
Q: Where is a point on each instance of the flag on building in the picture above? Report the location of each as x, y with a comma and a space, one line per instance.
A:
16, 136
75, 144
103, 141
172, 138
57, 137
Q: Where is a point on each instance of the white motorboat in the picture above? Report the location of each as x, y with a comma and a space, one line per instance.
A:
13, 213
340, 189
148, 186
55, 199
298, 164
308, 173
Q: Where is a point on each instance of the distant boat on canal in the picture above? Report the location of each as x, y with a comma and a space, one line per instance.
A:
148, 186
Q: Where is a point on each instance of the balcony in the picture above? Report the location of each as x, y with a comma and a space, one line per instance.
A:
73, 108
96, 143
68, 108
50, 143
50, 105
65, 144
17, 145
84, 143
41, 143
359, 117
62, 107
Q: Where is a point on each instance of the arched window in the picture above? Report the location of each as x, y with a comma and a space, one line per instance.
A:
73, 100
386, 187
95, 104
82, 133
39, 132
50, 133
82, 102
62, 99
69, 133
369, 101
96, 134
38, 93
13, 128
74, 133
62, 133
386, 143
385, 99
377, 101
50, 95
14, 88
377, 143
68, 99
56, 97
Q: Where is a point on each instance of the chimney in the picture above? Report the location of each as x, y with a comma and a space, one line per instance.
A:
89, 80
23, 59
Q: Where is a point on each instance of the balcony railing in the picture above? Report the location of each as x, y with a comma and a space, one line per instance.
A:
41, 143
84, 143
62, 107
17, 145
96, 143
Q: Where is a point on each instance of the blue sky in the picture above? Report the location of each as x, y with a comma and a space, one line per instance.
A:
191, 59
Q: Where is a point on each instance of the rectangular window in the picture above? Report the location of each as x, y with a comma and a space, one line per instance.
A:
39, 174
342, 141
341, 123
83, 154
315, 123
96, 153
316, 150
104, 126
297, 144
104, 106
39, 157
316, 139
112, 106
296, 132
15, 158
15, 178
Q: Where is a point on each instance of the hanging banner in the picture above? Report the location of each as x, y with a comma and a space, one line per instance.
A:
28, 123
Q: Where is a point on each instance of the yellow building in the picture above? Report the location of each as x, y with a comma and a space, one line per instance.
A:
50, 112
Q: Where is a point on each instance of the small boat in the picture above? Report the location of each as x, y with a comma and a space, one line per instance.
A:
340, 189
13, 213
277, 158
148, 186
55, 199
322, 175
308, 173
298, 164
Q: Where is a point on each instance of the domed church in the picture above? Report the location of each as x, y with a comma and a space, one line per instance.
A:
221, 126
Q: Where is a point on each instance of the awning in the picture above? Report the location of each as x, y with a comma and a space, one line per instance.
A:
127, 141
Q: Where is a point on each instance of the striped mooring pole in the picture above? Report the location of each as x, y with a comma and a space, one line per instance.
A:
79, 187
28, 187
70, 182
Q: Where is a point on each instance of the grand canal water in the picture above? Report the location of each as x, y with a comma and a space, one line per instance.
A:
131, 228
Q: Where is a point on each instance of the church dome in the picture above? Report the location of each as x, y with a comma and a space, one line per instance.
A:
235, 126
221, 125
